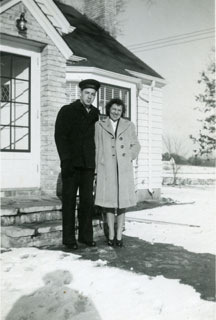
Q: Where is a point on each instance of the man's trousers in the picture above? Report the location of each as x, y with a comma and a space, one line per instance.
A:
81, 179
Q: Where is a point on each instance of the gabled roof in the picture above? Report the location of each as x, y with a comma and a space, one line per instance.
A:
53, 23
55, 16
99, 48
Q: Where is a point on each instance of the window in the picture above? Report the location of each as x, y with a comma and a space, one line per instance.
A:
105, 93
15, 103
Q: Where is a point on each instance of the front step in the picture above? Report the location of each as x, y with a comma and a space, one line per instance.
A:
20, 192
17, 211
38, 234
33, 222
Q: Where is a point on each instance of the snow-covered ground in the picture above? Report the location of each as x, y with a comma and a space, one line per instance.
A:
42, 284
190, 224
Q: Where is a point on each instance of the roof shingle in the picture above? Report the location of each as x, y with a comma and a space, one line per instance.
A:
99, 48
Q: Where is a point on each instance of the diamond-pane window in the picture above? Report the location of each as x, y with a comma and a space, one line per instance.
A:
15, 103
5, 93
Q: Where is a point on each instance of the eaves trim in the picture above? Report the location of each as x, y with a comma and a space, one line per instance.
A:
146, 79
102, 72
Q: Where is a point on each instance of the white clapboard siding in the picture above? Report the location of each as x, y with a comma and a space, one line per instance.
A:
155, 143
156, 121
149, 124
155, 150
156, 179
155, 115
144, 169
144, 162
157, 111
143, 183
155, 130
143, 110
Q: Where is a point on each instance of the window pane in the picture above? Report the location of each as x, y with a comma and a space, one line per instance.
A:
21, 67
20, 114
5, 89
102, 102
5, 138
5, 59
20, 138
72, 91
15, 102
5, 113
21, 91
108, 93
117, 93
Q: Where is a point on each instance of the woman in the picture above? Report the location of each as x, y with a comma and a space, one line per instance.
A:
116, 148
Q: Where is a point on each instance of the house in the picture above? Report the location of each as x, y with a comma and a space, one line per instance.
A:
47, 47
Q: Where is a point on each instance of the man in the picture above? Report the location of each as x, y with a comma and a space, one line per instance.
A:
74, 137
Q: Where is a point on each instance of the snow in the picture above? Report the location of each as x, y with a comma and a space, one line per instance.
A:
186, 171
190, 224
43, 284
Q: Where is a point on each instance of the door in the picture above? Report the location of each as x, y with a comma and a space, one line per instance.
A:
19, 118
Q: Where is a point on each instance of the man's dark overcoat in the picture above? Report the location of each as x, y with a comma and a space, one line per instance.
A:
74, 134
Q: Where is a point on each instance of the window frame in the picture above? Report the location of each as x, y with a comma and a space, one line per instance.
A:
11, 102
118, 87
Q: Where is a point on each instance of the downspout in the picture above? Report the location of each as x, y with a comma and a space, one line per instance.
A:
139, 88
150, 189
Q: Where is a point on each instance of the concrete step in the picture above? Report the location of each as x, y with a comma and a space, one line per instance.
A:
16, 211
42, 216
20, 192
38, 234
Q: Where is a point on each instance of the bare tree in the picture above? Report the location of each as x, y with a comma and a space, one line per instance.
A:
175, 147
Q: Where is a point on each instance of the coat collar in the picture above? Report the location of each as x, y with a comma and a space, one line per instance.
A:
122, 126
82, 109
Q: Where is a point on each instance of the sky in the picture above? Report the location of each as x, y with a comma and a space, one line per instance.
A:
180, 65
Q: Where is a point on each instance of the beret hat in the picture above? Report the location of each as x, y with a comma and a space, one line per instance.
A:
89, 83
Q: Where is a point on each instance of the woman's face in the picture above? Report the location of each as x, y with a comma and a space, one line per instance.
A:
115, 112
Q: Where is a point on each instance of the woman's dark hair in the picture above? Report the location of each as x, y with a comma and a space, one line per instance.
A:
117, 101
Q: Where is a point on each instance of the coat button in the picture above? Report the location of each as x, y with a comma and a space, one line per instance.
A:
123, 154
113, 155
112, 138
122, 146
120, 138
113, 146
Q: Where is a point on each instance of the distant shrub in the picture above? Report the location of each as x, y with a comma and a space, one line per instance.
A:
193, 161
197, 161
166, 156
178, 159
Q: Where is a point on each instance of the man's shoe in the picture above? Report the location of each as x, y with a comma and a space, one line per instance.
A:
73, 246
88, 243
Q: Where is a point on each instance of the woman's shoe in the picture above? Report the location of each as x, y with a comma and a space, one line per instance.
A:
110, 243
119, 243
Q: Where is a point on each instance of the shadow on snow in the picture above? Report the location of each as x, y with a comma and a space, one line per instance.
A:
55, 300
172, 262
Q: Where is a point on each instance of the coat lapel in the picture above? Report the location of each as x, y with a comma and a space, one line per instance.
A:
122, 126
106, 124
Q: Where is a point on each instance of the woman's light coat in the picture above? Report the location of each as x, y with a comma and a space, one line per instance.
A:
114, 163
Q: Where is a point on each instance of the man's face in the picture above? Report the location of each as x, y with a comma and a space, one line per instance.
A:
87, 96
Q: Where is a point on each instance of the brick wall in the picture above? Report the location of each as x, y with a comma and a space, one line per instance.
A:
53, 70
